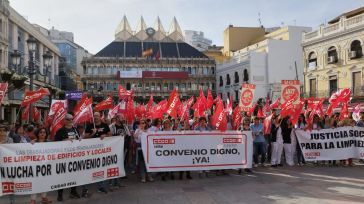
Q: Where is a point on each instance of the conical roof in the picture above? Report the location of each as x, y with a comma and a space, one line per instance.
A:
175, 32
140, 32
159, 34
123, 31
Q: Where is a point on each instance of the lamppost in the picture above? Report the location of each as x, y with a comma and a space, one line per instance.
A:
32, 68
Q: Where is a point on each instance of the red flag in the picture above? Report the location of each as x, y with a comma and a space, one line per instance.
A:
124, 94
210, 99
251, 111
158, 55
34, 96
36, 114
341, 96
260, 113
25, 114
82, 104
173, 103
150, 103
86, 115
104, 105
276, 104
79, 104
3, 90
54, 107
158, 110
297, 112
219, 121
236, 118
58, 119
183, 111
114, 111
229, 105
344, 112
266, 107
287, 107
140, 111
130, 111
267, 124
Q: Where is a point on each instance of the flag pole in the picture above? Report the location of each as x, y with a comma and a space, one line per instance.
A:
17, 114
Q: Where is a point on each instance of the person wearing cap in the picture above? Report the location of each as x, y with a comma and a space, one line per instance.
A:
258, 141
67, 133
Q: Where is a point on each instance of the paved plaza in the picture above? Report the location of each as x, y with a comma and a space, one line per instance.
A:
309, 184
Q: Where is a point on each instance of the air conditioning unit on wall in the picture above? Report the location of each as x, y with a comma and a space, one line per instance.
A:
331, 60
352, 54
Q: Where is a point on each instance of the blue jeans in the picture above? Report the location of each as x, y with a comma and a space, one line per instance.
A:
141, 164
259, 149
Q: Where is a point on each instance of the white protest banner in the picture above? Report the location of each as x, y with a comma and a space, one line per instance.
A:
43, 167
290, 87
246, 96
195, 150
332, 144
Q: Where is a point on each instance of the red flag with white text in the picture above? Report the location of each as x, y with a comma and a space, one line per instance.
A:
218, 120
173, 104
34, 96
105, 104
58, 118
3, 90
86, 115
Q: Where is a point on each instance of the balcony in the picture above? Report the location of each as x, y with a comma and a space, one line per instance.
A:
331, 29
356, 92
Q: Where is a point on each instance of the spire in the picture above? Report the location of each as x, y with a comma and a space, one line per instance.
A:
158, 25
123, 31
175, 32
160, 34
141, 25
140, 32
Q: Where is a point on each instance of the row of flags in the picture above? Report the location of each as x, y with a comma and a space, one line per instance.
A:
174, 107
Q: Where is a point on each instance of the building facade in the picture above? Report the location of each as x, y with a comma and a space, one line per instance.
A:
150, 61
333, 56
197, 40
274, 57
15, 30
72, 54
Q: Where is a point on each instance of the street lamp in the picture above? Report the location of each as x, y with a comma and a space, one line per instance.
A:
32, 68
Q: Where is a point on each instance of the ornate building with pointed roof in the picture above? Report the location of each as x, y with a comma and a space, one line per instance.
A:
150, 61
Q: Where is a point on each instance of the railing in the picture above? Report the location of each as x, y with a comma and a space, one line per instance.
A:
15, 95
357, 91
331, 28
341, 26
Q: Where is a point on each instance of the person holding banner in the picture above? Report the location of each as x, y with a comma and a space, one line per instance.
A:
4, 139
67, 133
184, 126
202, 126
142, 129
98, 129
167, 127
258, 142
301, 125
42, 136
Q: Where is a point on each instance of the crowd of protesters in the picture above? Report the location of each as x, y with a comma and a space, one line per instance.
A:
267, 148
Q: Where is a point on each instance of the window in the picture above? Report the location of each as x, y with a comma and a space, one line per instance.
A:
227, 79
332, 84
165, 86
312, 61
189, 86
355, 50
152, 87
332, 55
236, 78
221, 82
212, 70
213, 86
193, 71
146, 86
189, 70
171, 86
236, 95
356, 83
228, 95
95, 71
159, 87
183, 86
312, 88
177, 86
128, 86
205, 71
245, 76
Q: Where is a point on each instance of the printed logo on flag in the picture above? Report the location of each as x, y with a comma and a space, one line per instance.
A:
289, 88
246, 96
113, 172
8, 187
98, 175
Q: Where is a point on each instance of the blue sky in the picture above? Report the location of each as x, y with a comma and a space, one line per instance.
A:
93, 22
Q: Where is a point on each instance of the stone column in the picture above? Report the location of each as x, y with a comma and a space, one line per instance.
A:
26, 51
15, 37
13, 115
41, 63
